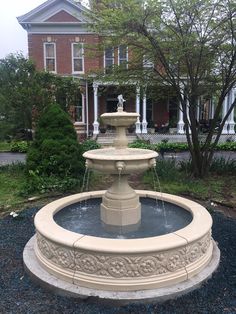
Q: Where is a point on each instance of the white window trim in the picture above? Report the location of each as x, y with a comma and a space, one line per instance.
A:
104, 59
127, 56
83, 113
44, 56
72, 58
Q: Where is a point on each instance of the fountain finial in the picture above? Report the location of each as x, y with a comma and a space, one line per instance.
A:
120, 105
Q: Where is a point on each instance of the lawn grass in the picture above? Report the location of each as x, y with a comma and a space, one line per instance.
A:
12, 179
220, 188
5, 146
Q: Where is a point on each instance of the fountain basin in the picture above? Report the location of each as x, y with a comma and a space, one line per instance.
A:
123, 264
120, 118
108, 160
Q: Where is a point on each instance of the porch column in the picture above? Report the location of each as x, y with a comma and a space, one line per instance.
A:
198, 109
180, 124
224, 111
95, 101
212, 108
187, 110
138, 129
144, 122
231, 122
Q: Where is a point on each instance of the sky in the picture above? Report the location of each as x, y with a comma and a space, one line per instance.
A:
13, 38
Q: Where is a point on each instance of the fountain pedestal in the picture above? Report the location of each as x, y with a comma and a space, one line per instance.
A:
120, 204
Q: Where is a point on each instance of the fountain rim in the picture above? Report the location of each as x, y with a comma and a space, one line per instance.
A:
196, 229
120, 114
98, 154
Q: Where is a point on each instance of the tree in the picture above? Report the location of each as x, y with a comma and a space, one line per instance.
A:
17, 92
24, 90
192, 45
55, 154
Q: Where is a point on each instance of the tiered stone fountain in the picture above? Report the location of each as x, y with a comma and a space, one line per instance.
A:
121, 267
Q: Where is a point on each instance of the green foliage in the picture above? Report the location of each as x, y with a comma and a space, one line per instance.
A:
177, 147
190, 51
223, 166
172, 147
21, 147
25, 92
47, 184
17, 93
12, 178
89, 145
218, 166
55, 153
142, 144
231, 146
167, 169
5, 146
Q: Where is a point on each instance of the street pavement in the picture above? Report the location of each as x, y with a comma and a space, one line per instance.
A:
186, 155
10, 158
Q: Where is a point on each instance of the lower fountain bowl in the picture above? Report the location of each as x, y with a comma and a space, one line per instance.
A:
123, 264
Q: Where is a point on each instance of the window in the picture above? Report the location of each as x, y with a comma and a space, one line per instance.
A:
123, 56
108, 59
79, 109
77, 58
50, 57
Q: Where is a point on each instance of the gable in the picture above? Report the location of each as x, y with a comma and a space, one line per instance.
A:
62, 16
52, 10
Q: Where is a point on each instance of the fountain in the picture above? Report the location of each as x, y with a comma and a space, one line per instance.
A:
118, 246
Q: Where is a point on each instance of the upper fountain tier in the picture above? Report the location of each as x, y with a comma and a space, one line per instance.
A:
120, 158
120, 118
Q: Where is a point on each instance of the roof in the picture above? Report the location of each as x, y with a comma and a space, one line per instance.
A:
43, 13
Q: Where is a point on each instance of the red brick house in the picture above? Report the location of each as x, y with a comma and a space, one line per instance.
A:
60, 41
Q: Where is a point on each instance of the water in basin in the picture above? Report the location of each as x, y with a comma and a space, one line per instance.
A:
84, 218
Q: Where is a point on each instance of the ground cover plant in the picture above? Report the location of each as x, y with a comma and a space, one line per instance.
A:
12, 179
5, 146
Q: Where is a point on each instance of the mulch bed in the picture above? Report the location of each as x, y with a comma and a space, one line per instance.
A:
18, 294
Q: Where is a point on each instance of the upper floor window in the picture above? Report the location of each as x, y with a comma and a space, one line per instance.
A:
108, 59
50, 57
77, 58
123, 56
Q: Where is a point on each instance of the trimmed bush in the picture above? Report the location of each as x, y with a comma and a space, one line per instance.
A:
20, 147
89, 145
55, 152
177, 147
142, 144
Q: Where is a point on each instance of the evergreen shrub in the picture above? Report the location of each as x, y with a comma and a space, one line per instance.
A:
55, 152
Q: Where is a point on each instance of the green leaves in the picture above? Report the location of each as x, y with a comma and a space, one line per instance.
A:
24, 91
55, 150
